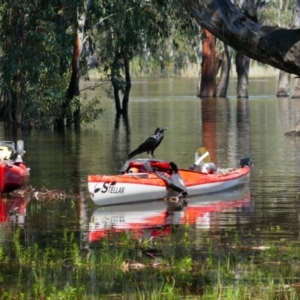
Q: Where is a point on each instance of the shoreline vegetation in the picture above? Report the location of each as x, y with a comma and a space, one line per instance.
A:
224, 265
256, 70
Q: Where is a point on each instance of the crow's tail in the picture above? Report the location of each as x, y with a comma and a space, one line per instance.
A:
133, 153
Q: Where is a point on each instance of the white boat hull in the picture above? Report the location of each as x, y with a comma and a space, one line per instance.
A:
105, 193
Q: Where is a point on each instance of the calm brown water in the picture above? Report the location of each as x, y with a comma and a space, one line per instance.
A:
228, 128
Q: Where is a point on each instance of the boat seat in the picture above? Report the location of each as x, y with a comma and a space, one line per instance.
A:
140, 175
5, 152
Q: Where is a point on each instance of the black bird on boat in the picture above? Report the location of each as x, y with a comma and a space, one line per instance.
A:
150, 144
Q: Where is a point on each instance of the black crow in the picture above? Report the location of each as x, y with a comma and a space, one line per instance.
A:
150, 144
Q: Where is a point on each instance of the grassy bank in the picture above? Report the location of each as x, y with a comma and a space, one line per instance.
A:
187, 264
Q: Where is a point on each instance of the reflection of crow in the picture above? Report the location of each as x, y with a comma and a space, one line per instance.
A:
150, 144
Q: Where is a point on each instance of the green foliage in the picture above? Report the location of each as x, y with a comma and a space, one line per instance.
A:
36, 48
278, 13
90, 110
159, 37
155, 34
2, 255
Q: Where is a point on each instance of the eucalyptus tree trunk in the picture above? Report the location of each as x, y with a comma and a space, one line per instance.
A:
17, 99
116, 84
296, 89
242, 61
296, 24
242, 68
73, 89
208, 65
14, 95
127, 85
283, 87
284, 77
221, 88
116, 90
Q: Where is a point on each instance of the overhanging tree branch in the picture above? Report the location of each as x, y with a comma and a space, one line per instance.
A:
272, 45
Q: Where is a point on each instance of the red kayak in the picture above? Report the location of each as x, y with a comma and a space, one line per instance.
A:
14, 173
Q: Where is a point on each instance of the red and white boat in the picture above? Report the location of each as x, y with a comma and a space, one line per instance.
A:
152, 179
153, 219
14, 173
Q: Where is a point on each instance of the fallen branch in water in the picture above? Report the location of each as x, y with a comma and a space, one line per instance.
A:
43, 194
129, 264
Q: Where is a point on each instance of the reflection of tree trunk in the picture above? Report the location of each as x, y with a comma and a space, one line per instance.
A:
295, 130
221, 89
209, 126
224, 134
208, 66
283, 89
120, 147
243, 126
83, 218
286, 112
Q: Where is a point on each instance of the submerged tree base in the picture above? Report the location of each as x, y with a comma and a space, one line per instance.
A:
295, 131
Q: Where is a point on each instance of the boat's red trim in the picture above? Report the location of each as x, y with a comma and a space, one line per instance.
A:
151, 179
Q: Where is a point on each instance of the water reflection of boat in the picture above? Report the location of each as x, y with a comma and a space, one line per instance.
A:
155, 218
13, 210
